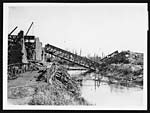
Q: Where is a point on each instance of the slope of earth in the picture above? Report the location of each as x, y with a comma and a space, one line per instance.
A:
126, 68
45, 87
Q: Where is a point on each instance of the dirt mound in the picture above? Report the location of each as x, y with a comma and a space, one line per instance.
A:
125, 57
126, 67
55, 94
59, 73
54, 86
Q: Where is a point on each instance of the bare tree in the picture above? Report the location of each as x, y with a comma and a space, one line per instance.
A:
80, 52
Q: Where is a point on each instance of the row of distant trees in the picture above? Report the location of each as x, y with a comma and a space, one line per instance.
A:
88, 56
94, 57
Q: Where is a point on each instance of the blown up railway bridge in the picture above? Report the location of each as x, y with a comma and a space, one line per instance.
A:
77, 59
22, 43
65, 55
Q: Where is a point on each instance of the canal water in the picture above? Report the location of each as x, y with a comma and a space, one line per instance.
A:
111, 95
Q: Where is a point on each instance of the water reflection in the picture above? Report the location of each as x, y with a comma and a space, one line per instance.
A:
104, 94
111, 94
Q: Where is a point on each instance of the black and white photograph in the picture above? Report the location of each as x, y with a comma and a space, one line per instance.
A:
75, 56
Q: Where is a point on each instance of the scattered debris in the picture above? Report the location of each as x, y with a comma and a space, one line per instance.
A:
126, 67
59, 73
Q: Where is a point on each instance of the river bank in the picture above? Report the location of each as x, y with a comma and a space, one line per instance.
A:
125, 69
33, 89
56, 85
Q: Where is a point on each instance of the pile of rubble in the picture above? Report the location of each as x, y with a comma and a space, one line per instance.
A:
55, 73
126, 68
60, 88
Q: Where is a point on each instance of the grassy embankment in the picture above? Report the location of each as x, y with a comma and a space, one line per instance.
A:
62, 90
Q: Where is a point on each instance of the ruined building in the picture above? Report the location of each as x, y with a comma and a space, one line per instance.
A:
22, 49
38, 49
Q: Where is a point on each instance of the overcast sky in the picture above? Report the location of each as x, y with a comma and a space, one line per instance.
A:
94, 28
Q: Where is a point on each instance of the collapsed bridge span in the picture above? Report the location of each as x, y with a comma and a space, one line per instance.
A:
66, 55
76, 59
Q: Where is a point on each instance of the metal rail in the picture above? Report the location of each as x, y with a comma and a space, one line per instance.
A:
12, 31
29, 29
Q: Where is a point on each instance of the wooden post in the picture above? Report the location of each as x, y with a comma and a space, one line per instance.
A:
95, 82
